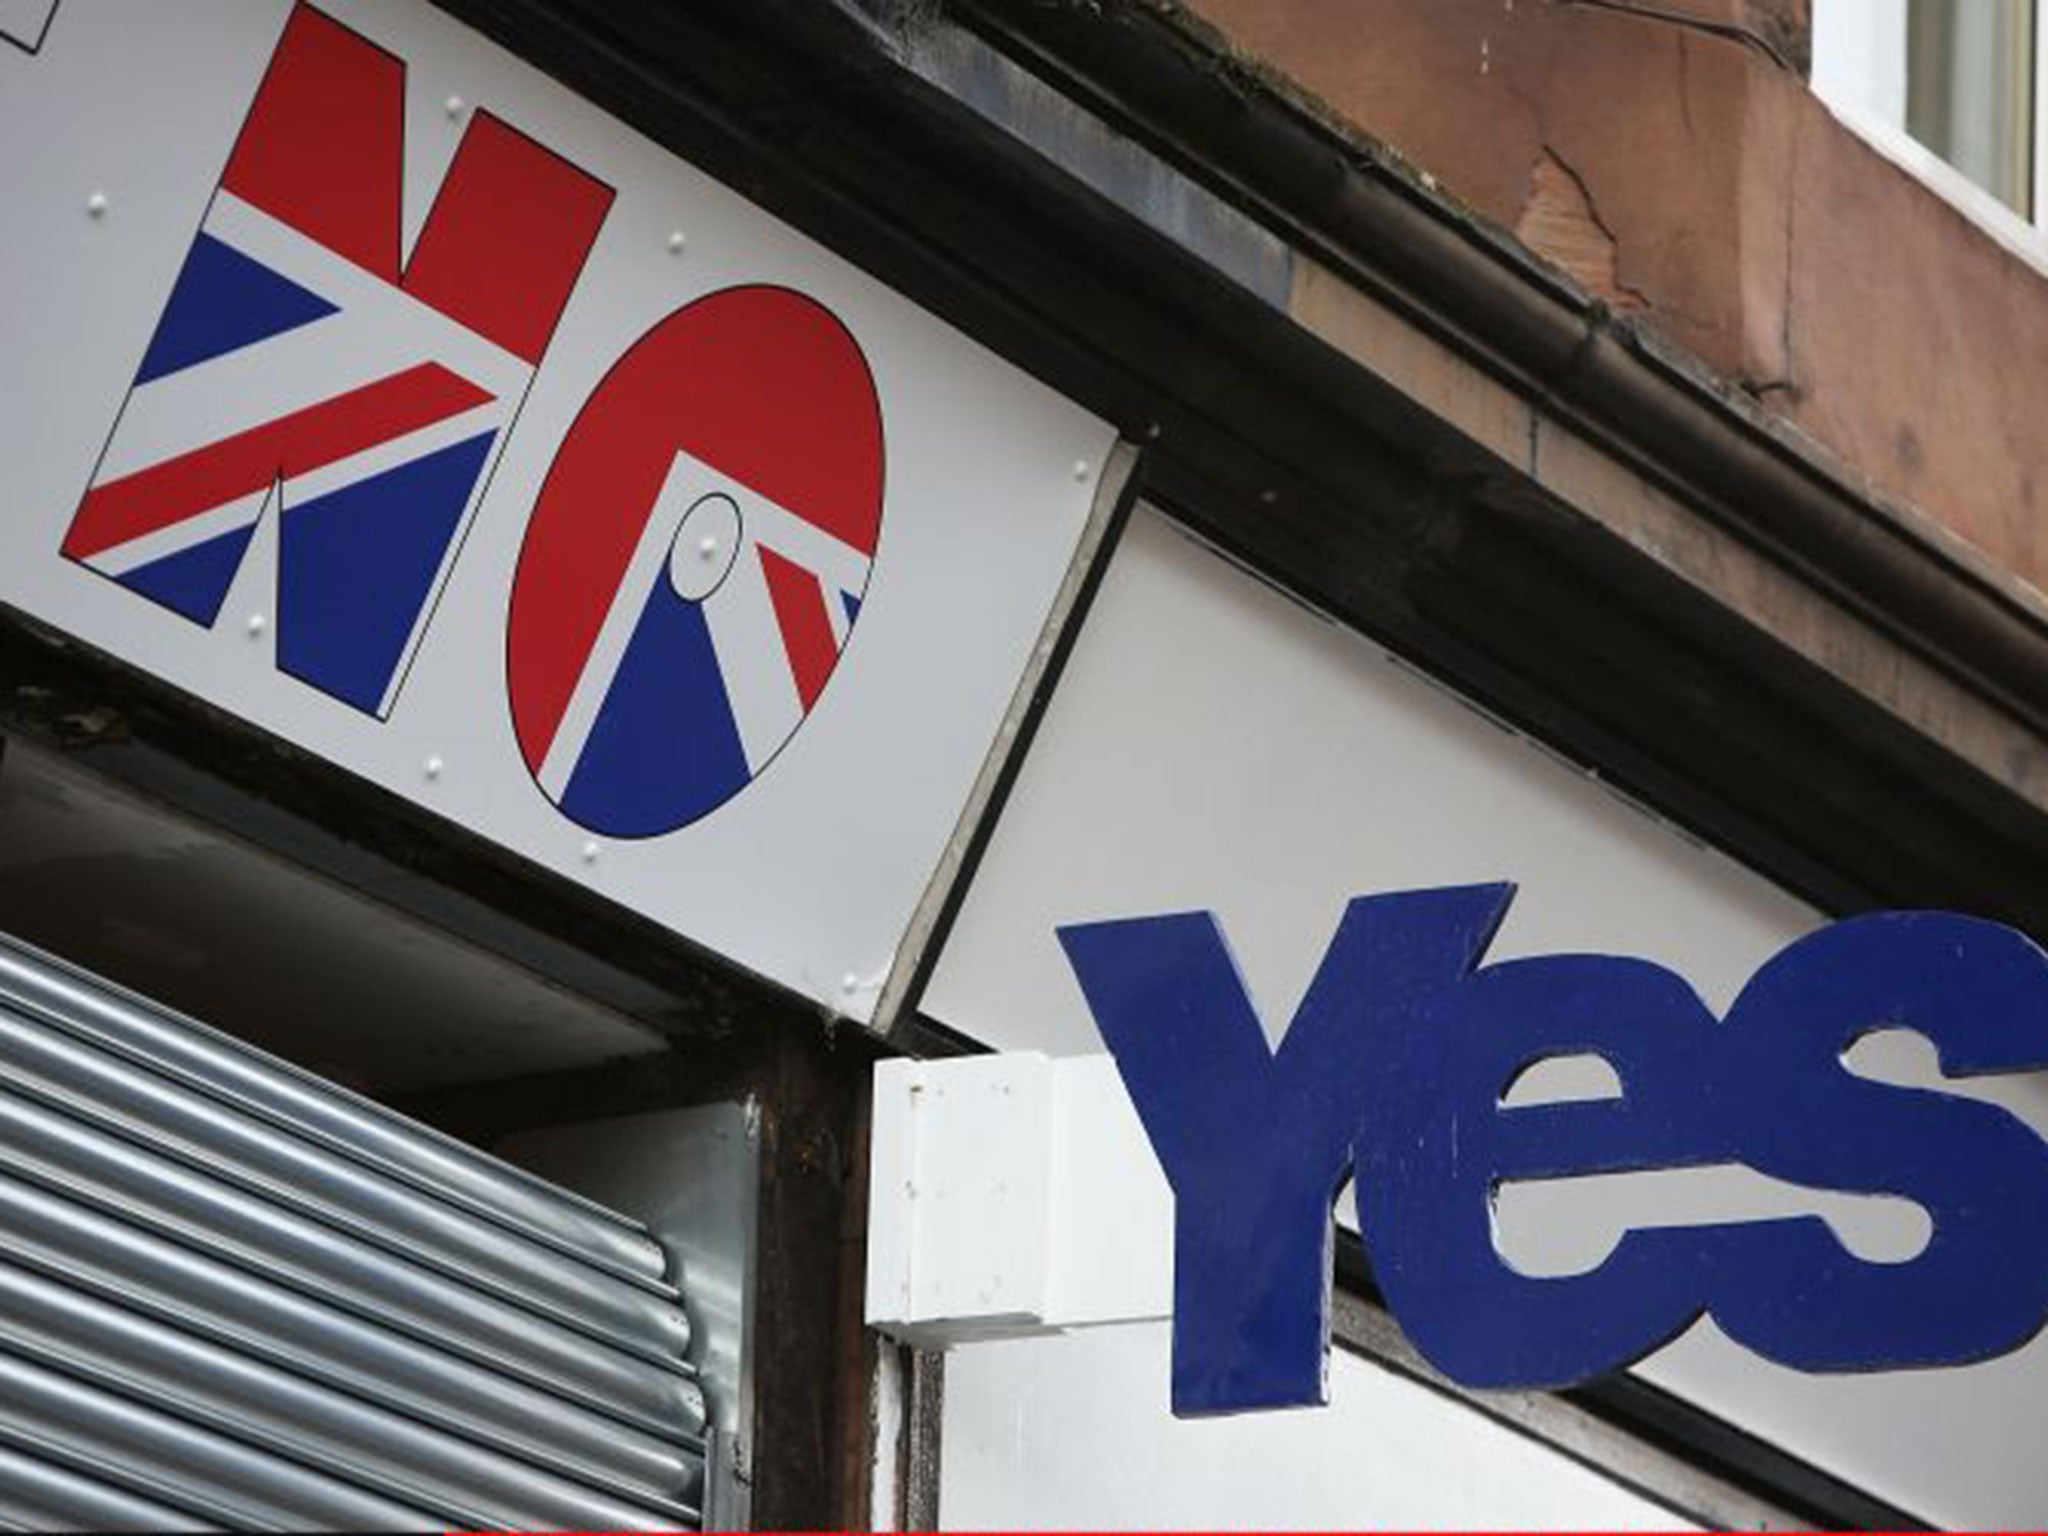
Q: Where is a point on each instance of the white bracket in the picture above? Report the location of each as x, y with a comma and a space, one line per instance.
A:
1012, 1195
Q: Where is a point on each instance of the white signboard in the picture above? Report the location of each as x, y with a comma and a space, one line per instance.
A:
371, 386
1062, 1433
1278, 766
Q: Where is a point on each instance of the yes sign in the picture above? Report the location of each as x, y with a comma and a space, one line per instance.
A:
1393, 1071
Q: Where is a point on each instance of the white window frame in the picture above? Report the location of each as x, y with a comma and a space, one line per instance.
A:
1859, 73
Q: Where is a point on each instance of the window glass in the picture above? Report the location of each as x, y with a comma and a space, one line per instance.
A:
1969, 90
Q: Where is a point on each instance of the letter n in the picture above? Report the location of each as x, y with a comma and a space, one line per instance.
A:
303, 363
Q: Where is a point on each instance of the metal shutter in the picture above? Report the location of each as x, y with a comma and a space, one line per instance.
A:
234, 1295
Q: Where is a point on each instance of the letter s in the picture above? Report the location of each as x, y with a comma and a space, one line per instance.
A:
1979, 992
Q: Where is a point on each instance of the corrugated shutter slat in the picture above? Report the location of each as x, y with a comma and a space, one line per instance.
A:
230, 1293
37, 1495
184, 1288
242, 1151
190, 1052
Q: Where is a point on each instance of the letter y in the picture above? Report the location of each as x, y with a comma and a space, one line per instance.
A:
1257, 1143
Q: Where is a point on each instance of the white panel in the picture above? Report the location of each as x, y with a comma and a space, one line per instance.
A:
1066, 1433
963, 1168
112, 137
1859, 56
1010, 1194
1113, 1210
1214, 745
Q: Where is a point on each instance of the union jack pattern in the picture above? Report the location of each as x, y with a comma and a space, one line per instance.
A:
299, 368
763, 643
697, 561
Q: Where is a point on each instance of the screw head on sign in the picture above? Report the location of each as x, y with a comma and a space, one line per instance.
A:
707, 542
96, 205
257, 624
590, 853
676, 242
454, 106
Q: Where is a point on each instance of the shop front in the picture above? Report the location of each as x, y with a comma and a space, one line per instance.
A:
591, 598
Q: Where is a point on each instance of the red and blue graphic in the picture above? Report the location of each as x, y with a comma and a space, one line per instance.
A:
302, 365
696, 562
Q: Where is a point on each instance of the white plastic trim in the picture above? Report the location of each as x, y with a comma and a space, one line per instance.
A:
1859, 76
1012, 1195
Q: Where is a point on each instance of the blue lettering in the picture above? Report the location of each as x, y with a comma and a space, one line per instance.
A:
1434, 1143
1256, 1143
1979, 993
1394, 1069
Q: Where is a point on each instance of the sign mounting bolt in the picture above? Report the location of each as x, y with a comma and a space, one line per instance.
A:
434, 766
454, 105
676, 242
257, 624
590, 853
1081, 468
96, 205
